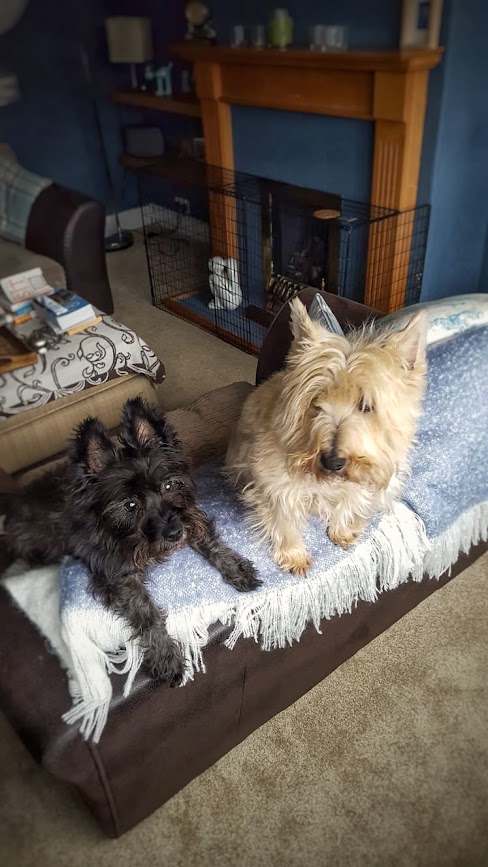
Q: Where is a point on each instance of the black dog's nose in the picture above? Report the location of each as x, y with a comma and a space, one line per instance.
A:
332, 463
174, 533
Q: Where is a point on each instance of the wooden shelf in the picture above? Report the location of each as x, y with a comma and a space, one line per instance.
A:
144, 99
168, 166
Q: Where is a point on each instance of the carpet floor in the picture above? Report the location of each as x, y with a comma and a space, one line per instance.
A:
383, 763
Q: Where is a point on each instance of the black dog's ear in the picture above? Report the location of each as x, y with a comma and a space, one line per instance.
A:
145, 426
91, 448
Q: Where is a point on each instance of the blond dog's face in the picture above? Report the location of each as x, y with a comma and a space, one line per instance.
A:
350, 405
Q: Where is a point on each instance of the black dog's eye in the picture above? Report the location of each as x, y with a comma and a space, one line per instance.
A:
130, 505
364, 406
168, 484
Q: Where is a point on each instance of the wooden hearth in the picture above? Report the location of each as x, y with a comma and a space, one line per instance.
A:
388, 88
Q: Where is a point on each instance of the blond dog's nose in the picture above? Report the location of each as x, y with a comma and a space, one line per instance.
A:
332, 462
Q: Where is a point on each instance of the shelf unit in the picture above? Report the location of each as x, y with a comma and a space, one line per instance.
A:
144, 100
169, 165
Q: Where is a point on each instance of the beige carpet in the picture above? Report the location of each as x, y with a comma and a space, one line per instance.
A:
384, 763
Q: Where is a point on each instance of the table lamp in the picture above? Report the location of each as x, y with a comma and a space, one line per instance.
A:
129, 40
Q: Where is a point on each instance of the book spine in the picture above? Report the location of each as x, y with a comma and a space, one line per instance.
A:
18, 320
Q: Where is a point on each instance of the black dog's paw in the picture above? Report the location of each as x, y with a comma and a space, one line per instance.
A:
165, 663
240, 573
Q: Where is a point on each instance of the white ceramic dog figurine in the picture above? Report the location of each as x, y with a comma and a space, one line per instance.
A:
224, 284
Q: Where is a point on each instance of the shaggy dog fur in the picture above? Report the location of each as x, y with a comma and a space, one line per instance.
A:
118, 511
329, 434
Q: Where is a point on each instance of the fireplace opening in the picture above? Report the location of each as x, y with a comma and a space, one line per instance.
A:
252, 243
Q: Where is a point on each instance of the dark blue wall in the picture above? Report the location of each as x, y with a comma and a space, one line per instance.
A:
335, 154
323, 153
457, 254
371, 23
52, 128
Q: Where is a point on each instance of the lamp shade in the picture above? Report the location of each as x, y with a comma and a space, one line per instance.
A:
129, 39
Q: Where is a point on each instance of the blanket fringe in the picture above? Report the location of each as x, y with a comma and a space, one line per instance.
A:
92, 636
394, 551
190, 627
470, 528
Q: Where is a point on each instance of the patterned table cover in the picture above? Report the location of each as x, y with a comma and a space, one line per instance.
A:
74, 363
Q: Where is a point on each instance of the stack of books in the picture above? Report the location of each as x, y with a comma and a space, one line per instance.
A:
28, 294
17, 294
65, 312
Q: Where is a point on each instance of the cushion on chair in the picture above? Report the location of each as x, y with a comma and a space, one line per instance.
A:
203, 428
15, 259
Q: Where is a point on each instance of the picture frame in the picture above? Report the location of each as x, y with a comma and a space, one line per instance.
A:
421, 24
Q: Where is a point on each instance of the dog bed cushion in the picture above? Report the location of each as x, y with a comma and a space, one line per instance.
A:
444, 511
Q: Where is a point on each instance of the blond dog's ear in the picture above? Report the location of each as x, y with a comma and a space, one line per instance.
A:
302, 327
410, 341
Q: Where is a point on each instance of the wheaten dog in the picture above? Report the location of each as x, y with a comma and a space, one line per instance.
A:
329, 434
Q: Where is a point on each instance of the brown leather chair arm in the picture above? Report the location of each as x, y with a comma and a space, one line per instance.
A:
70, 228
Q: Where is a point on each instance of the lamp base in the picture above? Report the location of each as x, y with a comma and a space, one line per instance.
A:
119, 241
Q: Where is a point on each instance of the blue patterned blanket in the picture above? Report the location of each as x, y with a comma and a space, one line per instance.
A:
444, 510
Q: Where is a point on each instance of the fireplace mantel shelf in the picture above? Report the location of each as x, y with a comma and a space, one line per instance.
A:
392, 61
386, 87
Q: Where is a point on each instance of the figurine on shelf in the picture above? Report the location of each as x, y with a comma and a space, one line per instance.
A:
224, 284
162, 77
199, 26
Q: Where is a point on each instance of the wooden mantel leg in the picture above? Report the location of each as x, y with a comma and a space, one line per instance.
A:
396, 166
219, 155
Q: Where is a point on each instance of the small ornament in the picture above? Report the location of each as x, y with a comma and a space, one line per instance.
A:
224, 284
162, 77
199, 26
281, 29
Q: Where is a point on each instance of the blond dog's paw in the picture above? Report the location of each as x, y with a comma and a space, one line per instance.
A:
344, 536
294, 560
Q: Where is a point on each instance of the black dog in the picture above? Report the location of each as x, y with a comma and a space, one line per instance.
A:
118, 511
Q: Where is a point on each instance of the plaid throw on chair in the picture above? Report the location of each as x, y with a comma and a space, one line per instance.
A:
18, 191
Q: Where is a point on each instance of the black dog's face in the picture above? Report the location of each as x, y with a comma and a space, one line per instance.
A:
143, 497
141, 494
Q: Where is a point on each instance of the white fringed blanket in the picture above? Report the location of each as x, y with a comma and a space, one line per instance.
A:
444, 511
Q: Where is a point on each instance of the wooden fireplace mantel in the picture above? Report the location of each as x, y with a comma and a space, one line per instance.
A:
386, 87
